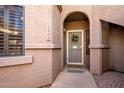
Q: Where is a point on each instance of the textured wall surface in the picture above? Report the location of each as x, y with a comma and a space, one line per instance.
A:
31, 75
111, 13
56, 63
56, 52
39, 73
56, 17
98, 38
37, 21
117, 48
41, 24
77, 25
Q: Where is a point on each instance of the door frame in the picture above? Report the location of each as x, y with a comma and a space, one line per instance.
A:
67, 32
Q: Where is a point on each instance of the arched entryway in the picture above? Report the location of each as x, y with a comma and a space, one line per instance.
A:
76, 39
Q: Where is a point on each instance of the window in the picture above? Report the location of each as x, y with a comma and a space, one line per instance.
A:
11, 30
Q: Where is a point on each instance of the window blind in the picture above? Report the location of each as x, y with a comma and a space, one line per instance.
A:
11, 31
2, 41
15, 26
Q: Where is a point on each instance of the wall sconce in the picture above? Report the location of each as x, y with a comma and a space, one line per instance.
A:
64, 29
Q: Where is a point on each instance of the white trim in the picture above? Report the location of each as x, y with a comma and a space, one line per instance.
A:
75, 63
98, 46
42, 45
67, 47
13, 61
79, 30
67, 32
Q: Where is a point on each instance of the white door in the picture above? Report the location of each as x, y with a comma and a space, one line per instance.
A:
75, 52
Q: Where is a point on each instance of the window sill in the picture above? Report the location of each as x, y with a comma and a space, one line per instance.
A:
42, 46
12, 61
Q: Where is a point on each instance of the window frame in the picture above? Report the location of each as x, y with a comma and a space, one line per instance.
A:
6, 35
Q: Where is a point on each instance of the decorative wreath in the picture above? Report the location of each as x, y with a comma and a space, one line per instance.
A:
75, 38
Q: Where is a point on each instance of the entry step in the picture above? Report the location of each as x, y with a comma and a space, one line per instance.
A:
75, 68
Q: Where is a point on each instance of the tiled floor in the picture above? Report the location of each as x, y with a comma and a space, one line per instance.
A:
110, 79
72, 79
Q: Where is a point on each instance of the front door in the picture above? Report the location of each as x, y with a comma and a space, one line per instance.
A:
75, 52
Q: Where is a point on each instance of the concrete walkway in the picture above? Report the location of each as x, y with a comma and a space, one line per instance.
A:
67, 79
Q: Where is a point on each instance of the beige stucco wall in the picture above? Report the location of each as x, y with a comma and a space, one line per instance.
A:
38, 33
77, 25
41, 71
56, 17
36, 25
106, 13
56, 63
105, 59
44, 42
42, 47
97, 44
105, 42
110, 13
49, 25
49, 39
117, 48
28, 75
56, 52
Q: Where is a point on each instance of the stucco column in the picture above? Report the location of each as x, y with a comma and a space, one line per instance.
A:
95, 47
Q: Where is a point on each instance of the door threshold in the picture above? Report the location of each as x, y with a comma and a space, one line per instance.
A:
76, 68
75, 65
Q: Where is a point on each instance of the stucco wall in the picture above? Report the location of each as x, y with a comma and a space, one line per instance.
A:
110, 13
31, 75
39, 73
42, 43
56, 52
56, 17
105, 59
77, 25
38, 35
117, 48
56, 63
96, 61
105, 42
38, 20
47, 21
106, 13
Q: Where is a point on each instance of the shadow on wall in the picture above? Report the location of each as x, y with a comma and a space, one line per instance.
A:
116, 39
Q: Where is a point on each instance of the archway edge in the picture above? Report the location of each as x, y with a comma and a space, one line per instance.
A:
63, 17
72, 12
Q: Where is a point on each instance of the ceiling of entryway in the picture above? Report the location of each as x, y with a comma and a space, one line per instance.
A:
76, 17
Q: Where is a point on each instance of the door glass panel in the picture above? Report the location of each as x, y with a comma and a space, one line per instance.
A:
75, 47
